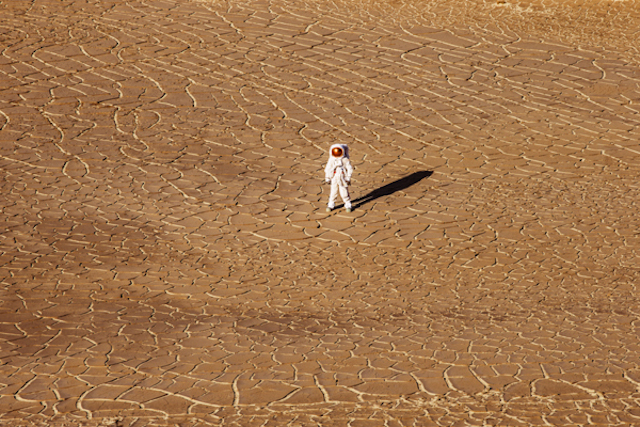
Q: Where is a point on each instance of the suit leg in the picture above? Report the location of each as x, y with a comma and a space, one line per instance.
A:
344, 193
333, 195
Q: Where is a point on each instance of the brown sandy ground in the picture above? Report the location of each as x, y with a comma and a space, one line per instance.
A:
165, 257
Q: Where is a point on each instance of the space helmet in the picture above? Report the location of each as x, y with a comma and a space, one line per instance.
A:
339, 150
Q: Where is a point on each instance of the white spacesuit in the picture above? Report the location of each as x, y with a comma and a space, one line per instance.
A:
338, 172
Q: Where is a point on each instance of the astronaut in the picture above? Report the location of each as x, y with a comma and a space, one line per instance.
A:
338, 173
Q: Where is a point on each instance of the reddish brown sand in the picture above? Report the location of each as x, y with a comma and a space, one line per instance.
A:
166, 258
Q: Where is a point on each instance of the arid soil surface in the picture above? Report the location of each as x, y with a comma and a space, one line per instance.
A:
166, 257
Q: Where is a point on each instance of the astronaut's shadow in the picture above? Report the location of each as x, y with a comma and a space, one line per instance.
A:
385, 190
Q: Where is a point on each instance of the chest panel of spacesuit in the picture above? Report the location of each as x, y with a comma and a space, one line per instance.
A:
339, 172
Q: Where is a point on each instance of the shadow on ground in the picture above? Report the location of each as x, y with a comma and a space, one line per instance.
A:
391, 188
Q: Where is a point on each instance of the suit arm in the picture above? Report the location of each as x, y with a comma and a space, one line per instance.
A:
349, 169
328, 170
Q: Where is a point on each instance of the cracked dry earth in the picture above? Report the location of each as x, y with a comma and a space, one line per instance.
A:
165, 257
